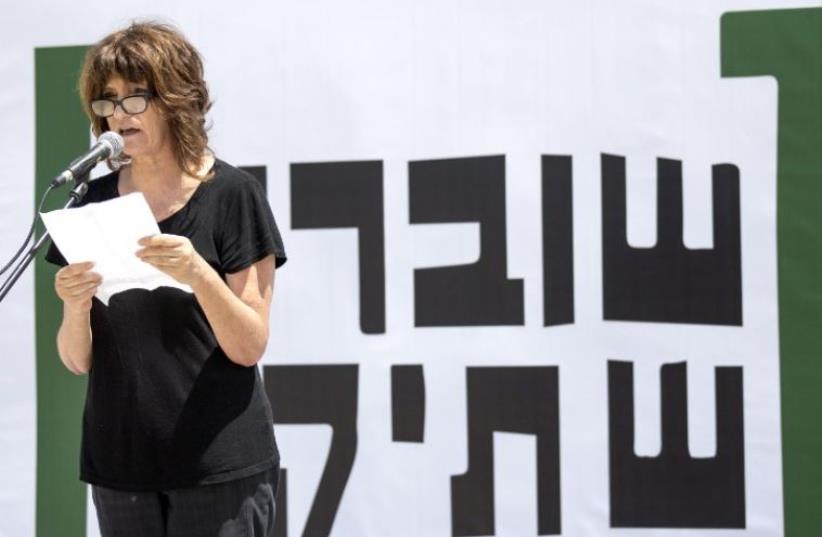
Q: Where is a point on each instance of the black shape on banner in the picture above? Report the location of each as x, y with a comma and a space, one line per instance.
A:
516, 400
478, 294
303, 394
407, 403
281, 515
557, 240
347, 194
669, 282
675, 490
259, 173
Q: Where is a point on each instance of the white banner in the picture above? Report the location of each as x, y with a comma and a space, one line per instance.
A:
603, 356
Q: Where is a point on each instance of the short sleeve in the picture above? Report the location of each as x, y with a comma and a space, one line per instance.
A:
247, 229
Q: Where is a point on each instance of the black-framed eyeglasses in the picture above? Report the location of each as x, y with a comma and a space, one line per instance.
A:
131, 104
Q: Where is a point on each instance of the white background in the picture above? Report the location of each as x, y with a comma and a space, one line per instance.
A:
398, 81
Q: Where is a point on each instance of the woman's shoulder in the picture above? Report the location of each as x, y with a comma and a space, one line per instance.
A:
228, 178
231, 187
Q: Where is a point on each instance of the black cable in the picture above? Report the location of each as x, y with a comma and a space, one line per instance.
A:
30, 233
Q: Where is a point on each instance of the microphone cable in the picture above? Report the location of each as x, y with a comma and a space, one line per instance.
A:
30, 234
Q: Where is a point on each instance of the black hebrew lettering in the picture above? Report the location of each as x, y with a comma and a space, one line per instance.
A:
407, 403
347, 194
281, 515
557, 241
302, 394
675, 490
670, 283
465, 190
517, 400
259, 173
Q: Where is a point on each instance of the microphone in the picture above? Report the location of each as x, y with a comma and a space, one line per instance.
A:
109, 144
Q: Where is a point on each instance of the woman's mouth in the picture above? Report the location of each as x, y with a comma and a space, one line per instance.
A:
128, 132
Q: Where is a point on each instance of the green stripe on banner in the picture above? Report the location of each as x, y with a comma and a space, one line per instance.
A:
788, 45
62, 133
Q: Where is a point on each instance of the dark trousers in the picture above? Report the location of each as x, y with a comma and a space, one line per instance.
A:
244, 507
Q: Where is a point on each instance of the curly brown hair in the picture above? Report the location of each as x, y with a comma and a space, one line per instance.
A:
160, 56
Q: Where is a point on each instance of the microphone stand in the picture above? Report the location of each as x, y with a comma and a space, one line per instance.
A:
74, 198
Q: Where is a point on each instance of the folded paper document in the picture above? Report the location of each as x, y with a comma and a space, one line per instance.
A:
107, 233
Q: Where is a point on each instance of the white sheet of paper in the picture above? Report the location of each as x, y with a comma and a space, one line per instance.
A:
107, 233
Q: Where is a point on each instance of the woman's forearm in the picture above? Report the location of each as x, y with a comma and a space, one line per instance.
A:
241, 330
236, 309
74, 341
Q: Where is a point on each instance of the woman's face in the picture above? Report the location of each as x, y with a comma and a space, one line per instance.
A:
145, 134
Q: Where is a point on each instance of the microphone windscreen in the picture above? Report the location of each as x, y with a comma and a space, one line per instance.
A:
114, 140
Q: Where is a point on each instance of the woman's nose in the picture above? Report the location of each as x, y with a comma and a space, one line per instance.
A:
119, 113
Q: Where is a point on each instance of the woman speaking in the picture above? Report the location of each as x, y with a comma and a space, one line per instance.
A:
177, 430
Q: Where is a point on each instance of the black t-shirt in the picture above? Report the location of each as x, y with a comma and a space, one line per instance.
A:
165, 408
